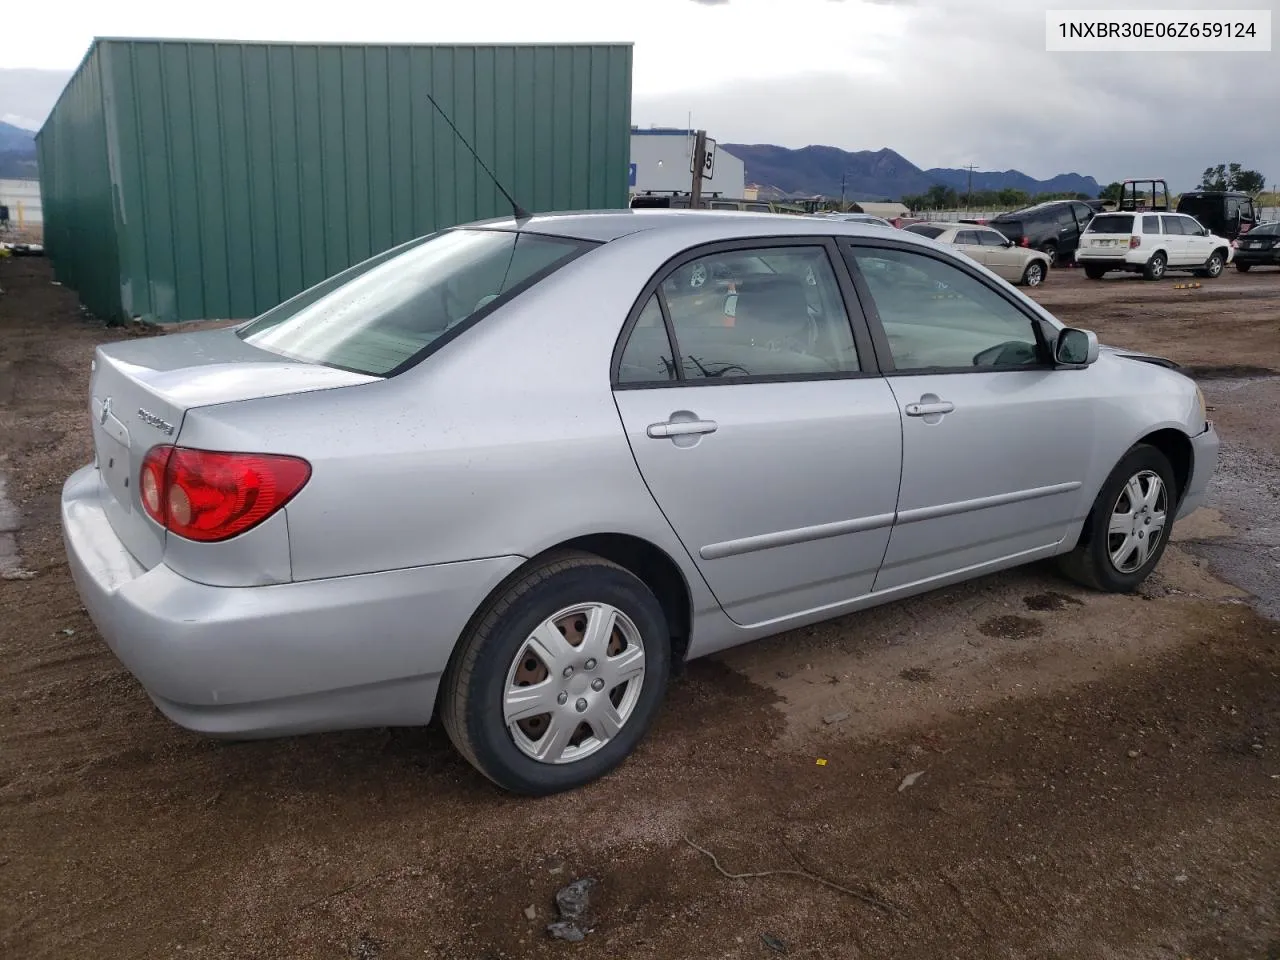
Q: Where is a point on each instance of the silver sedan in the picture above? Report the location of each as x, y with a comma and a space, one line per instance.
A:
515, 473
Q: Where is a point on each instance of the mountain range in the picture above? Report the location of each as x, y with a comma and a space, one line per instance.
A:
879, 174
17, 152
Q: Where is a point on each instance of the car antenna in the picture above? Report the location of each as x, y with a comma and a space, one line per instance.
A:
518, 211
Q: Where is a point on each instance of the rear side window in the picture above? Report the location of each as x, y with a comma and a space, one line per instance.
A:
931, 232
1111, 223
967, 238
388, 311
1150, 224
647, 357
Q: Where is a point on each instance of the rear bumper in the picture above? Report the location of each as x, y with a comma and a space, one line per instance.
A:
1258, 258
302, 657
1204, 462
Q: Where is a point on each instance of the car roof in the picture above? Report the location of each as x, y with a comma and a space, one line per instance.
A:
601, 226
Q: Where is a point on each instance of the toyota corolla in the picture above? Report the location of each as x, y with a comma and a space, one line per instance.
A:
513, 474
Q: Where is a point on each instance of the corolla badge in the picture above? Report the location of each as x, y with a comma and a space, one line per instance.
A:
162, 425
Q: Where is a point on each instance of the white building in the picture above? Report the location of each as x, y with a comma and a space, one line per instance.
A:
22, 197
660, 162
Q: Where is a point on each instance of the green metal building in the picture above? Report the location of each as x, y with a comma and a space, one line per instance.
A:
188, 180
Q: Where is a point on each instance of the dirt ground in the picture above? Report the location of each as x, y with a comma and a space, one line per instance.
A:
1099, 776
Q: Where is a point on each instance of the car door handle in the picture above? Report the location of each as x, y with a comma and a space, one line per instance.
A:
680, 428
929, 409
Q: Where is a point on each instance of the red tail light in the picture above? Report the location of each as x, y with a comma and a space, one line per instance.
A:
1135, 242
1022, 242
208, 496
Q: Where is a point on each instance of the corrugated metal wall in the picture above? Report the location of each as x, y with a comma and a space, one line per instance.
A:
75, 192
246, 172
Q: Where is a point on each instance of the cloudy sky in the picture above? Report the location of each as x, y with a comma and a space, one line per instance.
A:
943, 82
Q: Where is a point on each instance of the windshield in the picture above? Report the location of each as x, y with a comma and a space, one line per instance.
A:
1110, 223
386, 312
925, 231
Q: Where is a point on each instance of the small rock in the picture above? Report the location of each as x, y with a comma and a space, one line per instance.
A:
557, 868
68, 632
836, 717
531, 912
1255, 747
773, 943
574, 900
560, 930
909, 780
783, 675
18, 575
1133, 754
1180, 878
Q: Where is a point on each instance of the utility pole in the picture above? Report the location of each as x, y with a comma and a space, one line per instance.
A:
842, 180
699, 164
968, 199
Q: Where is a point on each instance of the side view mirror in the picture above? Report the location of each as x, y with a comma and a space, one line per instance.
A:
1075, 348
1008, 243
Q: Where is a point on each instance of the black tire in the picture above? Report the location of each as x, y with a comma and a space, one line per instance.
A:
1214, 266
1035, 274
1155, 267
1089, 563
1093, 272
473, 686
1243, 267
1050, 250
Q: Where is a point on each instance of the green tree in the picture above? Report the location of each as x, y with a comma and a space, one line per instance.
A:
1112, 191
1232, 176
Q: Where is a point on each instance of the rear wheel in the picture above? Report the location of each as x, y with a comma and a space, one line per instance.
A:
1127, 529
1243, 267
1094, 272
1155, 267
1033, 276
560, 678
1050, 250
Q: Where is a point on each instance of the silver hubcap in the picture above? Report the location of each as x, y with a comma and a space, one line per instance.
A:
574, 683
1034, 273
1215, 265
1157, 267
1137, 521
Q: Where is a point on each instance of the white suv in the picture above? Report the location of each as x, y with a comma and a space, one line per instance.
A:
1150, 244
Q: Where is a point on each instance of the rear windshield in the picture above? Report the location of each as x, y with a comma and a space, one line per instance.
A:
1200, 206
931, 232
1111, 223
1270, 229
385, 313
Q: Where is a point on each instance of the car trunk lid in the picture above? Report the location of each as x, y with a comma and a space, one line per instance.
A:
140, 391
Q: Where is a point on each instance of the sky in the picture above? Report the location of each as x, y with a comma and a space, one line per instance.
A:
943, 82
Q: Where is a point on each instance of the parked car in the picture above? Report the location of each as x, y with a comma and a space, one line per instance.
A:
990, 248
1150, 244
1227, 213
1052, 227
513, 474
1261, 248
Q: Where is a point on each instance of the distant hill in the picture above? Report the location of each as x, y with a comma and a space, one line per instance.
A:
17, 153
880, 174
16, 140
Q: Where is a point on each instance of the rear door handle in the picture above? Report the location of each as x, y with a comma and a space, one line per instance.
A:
680, 428
929, 409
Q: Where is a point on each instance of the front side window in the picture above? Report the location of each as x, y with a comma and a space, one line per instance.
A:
938, 317
383, 313
1173, 226
741, 314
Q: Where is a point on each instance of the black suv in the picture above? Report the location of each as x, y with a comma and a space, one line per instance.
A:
1228, 213
1052, 227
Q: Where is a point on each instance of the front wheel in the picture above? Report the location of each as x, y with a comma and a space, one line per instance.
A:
1033, 276
560, 678
1127, 529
